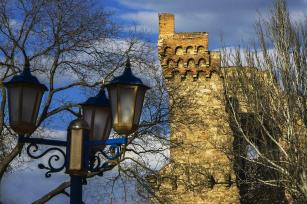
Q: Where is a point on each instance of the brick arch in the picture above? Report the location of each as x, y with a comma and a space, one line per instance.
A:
180, 63
201, 49
190, 50
201, 62
191, 63
214, 71
167, 50
201, 72
179, 50
165, 60
170, 63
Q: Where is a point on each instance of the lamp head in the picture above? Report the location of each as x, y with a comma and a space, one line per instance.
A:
24, 98
126, 96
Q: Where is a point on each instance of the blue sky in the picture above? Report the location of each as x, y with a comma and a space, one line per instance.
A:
234, 19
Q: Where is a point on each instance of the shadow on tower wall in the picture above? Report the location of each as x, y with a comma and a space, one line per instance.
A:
251, 174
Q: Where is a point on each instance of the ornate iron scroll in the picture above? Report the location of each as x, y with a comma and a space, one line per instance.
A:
102, 159
32, 151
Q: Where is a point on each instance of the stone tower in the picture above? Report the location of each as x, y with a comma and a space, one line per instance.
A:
200, 170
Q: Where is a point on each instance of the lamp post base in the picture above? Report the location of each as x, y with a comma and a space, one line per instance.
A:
75, 190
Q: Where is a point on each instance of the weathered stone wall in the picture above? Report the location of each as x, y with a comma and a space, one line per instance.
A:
201, 142
244, 86
200, 170
166, 24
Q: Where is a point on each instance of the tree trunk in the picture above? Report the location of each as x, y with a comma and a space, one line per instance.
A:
7, 160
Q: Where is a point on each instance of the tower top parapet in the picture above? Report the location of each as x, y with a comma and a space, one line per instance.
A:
185, 53
166, 24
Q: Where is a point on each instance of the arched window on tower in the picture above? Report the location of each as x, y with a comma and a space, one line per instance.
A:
201, 50
180, 64
170, 64
191, 63
202, 63
190, 50
167, 51
179, 50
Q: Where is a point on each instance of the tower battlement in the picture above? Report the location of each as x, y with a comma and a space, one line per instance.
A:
185, 53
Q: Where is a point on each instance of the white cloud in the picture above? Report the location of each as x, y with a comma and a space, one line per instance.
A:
234, 18
146, 21
298, 16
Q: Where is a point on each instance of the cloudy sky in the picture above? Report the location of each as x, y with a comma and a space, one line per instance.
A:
231, 18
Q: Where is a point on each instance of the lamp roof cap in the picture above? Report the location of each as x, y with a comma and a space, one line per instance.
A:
25, 78
127, 78
100, 100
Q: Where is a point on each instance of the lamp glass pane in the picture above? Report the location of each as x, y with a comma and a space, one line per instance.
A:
108, 128
139, 104
29, 104
14, 94
88, 112
38, 103
76, 140
100, 123
127, 103
113, 100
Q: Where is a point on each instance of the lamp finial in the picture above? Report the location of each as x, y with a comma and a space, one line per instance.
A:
27, 64
128, 64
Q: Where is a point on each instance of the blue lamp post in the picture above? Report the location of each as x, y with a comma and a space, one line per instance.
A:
87, 137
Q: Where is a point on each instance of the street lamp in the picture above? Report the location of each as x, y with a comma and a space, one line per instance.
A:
97, 114
126, 96
25, 93
86, 137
